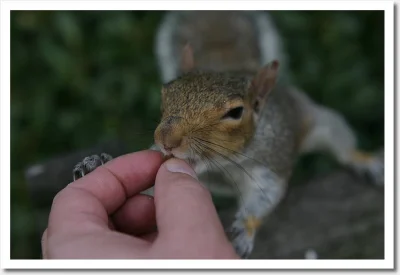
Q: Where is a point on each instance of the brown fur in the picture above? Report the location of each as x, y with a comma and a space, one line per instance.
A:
194, 104
194, 108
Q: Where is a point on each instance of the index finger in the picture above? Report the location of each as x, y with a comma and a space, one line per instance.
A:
98, 194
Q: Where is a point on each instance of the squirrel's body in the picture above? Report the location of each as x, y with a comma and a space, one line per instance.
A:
255, 152
224, 112
280, 131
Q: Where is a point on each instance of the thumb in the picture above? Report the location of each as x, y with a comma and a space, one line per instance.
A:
183, 204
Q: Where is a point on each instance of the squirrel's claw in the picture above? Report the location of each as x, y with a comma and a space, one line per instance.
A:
88, 164
242, 241
373, 169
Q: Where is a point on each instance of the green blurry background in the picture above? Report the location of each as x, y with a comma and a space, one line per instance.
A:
79, 78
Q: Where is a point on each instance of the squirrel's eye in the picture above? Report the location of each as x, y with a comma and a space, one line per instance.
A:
235, 113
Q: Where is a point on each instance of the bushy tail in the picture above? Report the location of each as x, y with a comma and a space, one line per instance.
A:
221, 41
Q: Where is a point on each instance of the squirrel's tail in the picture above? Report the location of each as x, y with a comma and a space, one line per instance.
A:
221, 41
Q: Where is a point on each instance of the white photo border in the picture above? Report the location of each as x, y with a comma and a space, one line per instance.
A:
8, 6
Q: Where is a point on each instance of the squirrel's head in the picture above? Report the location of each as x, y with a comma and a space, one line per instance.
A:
208, 114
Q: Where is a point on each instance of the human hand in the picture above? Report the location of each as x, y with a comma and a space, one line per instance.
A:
102, 215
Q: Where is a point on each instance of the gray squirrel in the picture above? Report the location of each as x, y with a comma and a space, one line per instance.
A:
226, 112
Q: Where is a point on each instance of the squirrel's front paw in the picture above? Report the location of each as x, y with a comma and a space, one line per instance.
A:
377, 171
242, 238
88, 164
372, 167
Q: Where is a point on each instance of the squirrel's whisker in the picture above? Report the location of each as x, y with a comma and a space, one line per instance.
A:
199, 153
236, 164
224, 171
221, 168
231, 150
226, 158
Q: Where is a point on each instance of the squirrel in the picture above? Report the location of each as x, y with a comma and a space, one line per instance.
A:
226, 111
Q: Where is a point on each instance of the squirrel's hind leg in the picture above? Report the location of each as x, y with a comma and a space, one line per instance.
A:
331, 133
89, 164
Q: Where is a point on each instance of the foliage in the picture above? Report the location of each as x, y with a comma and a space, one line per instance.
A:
80, 77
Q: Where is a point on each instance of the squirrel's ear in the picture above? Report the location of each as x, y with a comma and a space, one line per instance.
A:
187, 59
263, 83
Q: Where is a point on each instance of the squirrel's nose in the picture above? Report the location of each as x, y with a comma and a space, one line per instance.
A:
171, 143
169, 133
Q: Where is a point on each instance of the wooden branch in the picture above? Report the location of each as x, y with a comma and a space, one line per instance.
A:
337, 216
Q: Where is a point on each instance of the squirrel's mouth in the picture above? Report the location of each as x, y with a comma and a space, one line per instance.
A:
193, 160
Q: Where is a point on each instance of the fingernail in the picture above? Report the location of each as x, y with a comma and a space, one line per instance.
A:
176, 167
